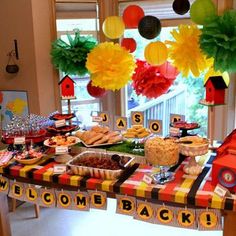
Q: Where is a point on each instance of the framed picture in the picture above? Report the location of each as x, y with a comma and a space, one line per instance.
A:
12, 103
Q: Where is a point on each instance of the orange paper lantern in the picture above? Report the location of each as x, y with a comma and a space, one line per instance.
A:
156, 53
113, 27
132, 15
129, 44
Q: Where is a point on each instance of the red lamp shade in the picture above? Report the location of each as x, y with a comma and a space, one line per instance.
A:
94, 91
129, 44
132, 15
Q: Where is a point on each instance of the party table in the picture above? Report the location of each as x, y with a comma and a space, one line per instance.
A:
184, 190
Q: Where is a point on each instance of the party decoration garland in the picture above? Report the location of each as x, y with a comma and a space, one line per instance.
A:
70, 57
185, 51
149, 82
111, 66
218, 40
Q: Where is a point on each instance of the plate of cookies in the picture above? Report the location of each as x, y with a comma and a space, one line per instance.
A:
136, 132
99, 136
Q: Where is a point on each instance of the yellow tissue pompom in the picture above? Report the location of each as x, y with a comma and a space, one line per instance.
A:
185, 51
212, 72
111, 66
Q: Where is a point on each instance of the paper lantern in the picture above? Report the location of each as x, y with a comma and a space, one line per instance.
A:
168, 70
132, 15
149, 27
113, 27
129, 44
201, 10
95, 91
181, 7
156, 53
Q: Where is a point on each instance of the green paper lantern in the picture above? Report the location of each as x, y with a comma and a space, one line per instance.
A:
218, 40
201, 10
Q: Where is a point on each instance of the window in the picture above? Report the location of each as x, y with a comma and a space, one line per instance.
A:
183, 97
82, 16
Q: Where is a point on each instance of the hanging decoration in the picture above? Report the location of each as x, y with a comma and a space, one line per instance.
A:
95, 91
129, 44
218, 40
212, 73
181, 7
156, 53
113, 27
149, 27
148, 81
201, 10
111, 66
132, 15
70, 57
168, 70
185, 51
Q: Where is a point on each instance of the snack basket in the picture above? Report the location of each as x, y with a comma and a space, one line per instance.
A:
98, 172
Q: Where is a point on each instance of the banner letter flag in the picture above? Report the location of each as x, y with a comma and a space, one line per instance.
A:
4, 185
155, 126
47, 197
64, 199
120, 123
144, 211
137, 118
186, 218
81, 201
105, 118
209, 219
17, 190
164, 215
125, 205
31, 193
98, 199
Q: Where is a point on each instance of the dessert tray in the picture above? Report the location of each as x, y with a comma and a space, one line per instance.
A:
59, 116
61, 130
32, 137
100, 165
183, 125
60, 140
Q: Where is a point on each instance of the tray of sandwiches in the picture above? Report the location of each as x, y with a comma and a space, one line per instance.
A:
99, 136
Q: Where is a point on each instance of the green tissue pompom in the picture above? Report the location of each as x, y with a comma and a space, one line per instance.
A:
70, 57
218, 40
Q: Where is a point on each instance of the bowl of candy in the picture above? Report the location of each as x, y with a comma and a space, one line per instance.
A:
28, 157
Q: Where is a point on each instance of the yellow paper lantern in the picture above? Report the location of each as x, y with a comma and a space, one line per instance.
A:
156, 53
113, 27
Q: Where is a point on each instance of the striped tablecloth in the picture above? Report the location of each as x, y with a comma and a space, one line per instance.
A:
184, 189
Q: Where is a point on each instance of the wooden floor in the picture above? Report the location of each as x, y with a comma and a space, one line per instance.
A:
58, 222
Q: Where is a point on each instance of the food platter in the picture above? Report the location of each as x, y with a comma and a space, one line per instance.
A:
182, 125
62, 130
28, 157
65, 141
99, 145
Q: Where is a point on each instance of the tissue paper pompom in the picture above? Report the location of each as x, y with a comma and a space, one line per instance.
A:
218, 40
70, 57
148, 81
111, 66
185, 51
